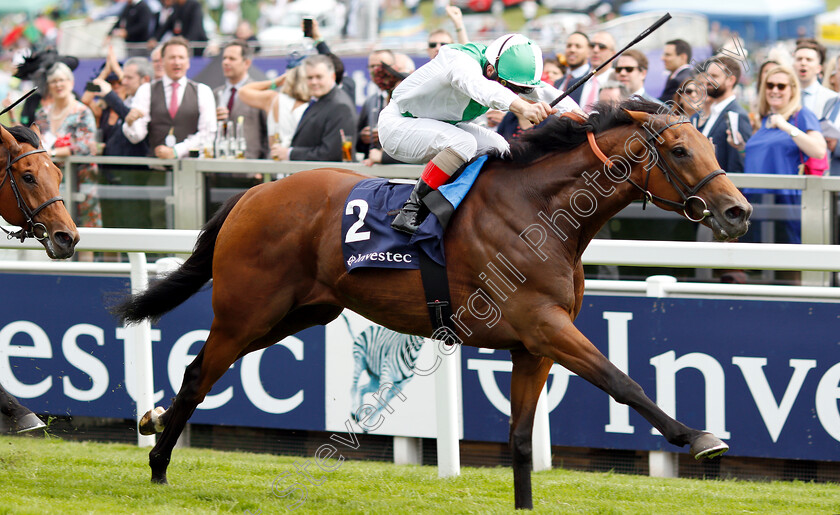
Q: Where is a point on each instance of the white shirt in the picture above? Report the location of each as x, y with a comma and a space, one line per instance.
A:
444, 88
714, 113
815, 96
224, 96
576, 73
138, 131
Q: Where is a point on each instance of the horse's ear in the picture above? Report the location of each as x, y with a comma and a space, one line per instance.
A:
639, 116
36, 130
9, 141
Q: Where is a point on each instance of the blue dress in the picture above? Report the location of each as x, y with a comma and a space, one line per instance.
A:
773, 151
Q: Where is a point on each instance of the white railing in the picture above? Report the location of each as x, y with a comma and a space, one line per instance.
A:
138, 242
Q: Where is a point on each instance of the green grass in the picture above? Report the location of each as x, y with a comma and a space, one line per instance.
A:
54, 476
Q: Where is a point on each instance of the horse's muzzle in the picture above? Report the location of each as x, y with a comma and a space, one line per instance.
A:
60, 244
732, 222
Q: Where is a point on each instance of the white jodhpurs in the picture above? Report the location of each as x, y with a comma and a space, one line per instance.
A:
418, 140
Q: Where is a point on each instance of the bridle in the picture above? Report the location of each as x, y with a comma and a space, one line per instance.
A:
686, 192
29, 214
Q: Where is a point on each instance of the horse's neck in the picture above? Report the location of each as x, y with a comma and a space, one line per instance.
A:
570, 193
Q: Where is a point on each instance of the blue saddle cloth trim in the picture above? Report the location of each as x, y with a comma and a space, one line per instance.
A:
455, 191
373, 243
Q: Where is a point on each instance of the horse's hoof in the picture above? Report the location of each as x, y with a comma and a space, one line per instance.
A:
150, 422
159, 480
708, 445
28, 422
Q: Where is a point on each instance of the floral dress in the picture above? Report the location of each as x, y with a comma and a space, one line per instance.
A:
77, 131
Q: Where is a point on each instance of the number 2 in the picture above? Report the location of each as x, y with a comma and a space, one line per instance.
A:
353, 233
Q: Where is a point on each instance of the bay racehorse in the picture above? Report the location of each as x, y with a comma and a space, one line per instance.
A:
275, 259
29, 199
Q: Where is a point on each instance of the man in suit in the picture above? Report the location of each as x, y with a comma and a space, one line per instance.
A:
134, 25
676, 55
369, 115
135, 72
236, 61
187, 21
602, 48
631, 69
577, 56
808, 60
721, 75
175, 113
318, 134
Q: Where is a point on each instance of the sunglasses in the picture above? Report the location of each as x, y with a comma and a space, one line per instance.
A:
772, 85
600, 46
435, 44
628, 69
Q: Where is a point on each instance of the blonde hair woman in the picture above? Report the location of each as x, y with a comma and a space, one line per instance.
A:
789, 135
68, 128
284, 107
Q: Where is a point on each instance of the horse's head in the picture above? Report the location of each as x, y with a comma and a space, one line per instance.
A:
29, 193
680, 173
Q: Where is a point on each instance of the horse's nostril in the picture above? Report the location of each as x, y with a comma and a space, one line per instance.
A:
735, 214
63, 239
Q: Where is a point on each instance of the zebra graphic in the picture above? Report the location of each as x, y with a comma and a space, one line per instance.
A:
387, 356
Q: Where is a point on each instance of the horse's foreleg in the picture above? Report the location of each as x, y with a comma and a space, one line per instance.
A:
529, 375
558, 339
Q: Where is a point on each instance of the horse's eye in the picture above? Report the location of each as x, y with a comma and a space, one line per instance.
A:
29, 178
679, 152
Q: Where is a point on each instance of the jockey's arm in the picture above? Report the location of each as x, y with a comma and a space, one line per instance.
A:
547, 93
465, 74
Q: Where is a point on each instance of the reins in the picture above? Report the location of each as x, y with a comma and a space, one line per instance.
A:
686, 192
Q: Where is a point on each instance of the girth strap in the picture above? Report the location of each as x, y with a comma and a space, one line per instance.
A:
436, 288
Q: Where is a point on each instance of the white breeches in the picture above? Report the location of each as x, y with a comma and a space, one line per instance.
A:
418, 140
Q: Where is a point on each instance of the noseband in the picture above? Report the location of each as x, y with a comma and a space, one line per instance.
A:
686, 192
29, 214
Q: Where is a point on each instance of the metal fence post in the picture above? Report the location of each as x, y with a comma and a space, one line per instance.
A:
816, 223
661, 463
188, 194
142, 348
448, 400
541, 435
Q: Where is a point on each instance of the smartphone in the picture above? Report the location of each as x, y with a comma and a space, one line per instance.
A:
307, 27
90, 86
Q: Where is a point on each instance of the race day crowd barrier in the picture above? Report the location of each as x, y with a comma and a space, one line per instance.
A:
759, 373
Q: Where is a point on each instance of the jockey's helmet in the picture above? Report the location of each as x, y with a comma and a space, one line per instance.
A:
517, 60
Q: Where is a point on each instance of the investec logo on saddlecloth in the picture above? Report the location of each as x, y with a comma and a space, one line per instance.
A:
389, 257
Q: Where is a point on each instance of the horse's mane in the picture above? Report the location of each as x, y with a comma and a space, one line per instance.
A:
24, 134
564, 134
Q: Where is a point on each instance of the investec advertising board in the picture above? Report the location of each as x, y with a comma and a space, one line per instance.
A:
763, 375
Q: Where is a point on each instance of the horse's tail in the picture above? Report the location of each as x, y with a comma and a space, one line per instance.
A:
165, 295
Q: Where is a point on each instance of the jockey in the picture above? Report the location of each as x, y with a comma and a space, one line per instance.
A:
428, 118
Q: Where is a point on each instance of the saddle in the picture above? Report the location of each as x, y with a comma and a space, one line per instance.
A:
369, 242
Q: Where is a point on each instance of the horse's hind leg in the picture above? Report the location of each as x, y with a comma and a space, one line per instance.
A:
529, 375
22, 418
222, 348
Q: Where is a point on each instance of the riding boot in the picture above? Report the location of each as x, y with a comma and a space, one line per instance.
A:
413, 212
